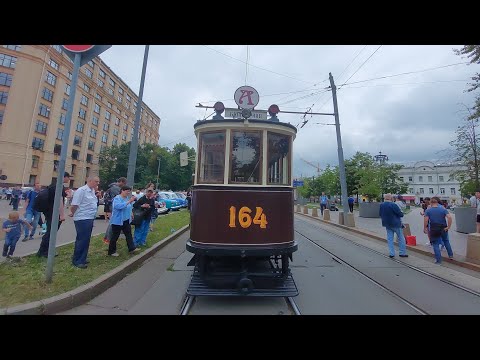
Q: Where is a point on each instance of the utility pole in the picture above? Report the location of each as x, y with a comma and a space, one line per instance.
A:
341, 162
158, 171
132, 158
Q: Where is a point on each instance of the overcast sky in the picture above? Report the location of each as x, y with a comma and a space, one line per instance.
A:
409, 117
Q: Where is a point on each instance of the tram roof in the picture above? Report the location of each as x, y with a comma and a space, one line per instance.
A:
240, 121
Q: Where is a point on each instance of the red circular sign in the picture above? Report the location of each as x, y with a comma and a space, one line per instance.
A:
78, 48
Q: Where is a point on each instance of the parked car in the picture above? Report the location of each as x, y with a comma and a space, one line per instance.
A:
101, 210
183, 199
162, 209
170, 200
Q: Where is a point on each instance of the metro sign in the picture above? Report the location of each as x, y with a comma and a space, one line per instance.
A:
246, 97
78, 48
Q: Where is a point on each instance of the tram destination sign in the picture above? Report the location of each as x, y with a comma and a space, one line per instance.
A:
237, 114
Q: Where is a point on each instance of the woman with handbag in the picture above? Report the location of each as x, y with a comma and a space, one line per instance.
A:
142, 214
120, 220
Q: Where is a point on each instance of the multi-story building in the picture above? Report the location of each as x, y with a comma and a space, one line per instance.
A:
425, 179
34, 92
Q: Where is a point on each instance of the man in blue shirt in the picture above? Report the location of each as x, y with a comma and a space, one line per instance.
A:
351, 201
435, 224
323, 202
391, 219
31, 216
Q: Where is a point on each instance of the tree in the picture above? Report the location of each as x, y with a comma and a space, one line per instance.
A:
473, 53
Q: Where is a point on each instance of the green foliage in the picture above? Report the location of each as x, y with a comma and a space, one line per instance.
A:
113, 162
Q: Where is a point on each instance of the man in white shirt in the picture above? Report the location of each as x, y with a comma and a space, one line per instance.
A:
83, 210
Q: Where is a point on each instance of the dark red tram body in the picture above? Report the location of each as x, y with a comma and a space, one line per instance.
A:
242, 209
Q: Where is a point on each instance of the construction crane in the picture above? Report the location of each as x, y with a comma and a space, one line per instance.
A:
312, 164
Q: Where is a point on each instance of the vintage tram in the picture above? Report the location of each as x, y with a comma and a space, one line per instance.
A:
242, 234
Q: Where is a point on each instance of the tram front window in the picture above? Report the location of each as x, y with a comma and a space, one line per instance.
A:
246, 157
278, 154
212, 157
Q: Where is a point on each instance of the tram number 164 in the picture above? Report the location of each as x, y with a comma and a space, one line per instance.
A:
244, 218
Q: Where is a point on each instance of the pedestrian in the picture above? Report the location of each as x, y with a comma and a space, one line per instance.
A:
83, 210
391, 220
31, 216
475, 202
351, 201
16, 197
13, 229
120, 220
436, 226
147, 204
323, 202
48, 213
113, 190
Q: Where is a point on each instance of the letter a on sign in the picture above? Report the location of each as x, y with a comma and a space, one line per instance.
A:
246, 97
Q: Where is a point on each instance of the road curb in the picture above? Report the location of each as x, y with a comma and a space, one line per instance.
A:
84, 293
464, 264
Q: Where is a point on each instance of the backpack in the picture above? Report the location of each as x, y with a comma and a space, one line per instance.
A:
42, 201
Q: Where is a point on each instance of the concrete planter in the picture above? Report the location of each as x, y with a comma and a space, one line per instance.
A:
369, 210
466, 219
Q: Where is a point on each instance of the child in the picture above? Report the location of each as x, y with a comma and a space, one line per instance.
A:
13, 228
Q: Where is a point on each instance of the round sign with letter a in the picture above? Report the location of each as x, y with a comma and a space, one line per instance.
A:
78, 48
246, 97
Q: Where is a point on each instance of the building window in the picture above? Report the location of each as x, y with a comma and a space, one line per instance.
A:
57, 149
117, 121
442, 190
440, 178
105, 126
50, 78
115, 132
430, 179
125, 127
420, 178
35, 160
5, 79
110, 91
91, 63
104, 138
120, 90
41, 127
102, 148
100, 83
401, 178
13, 47
89, 158
8, 61
127, 105
95, 120
86, 88
88, 73
212, 157
109, 105
87, 172
84, 100
74, 167
410, 178
101, 73
124, 137
91, 144
98, 96
32, 179
93, 133
47, 94
77, 140
3, 97
59, 133
410, 191
131, 131
67, 89
278, 157
430, 190
62, 119
82, 113
421, 191
107, 115
75, 154
53, 64
70, 75
37, 143
44, 110
127, 97
114, 142
111, 82
119, 99
58, 48
452, 191
55, 165
79, 126
97, 108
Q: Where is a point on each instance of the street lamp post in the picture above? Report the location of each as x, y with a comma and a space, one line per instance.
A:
158, 171
381, 159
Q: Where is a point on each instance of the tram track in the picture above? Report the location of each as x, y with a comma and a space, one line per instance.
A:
346, 263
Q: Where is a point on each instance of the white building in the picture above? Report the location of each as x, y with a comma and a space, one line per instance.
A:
425, 179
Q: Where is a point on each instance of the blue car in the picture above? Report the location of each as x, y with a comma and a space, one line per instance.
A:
182, 198
170, 200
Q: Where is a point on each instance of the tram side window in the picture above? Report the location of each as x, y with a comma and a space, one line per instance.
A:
245, 164
278, 154
212, 157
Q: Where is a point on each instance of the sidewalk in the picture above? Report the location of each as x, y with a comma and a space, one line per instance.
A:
458, 240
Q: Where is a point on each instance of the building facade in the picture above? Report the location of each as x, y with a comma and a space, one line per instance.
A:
34, 92
425, 179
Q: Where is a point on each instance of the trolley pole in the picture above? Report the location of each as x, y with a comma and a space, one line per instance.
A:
341, 162
132, 158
